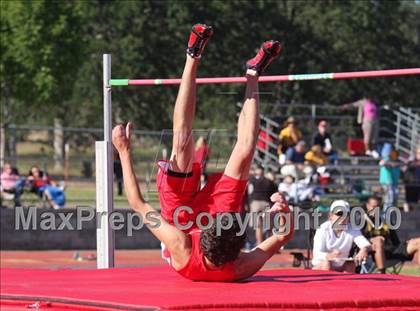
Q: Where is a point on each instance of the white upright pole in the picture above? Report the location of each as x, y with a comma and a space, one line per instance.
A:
105, 244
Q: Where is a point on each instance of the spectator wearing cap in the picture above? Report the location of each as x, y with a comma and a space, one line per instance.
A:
289, 136
334, 239
323, 138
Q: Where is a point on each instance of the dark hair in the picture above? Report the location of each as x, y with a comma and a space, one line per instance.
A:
374, 197
225, 246
259, 167
41, 173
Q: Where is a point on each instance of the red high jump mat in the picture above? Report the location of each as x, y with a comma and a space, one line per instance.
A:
161, 288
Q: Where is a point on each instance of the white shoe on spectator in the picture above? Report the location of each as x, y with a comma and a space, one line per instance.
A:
368, 153
282, 159
375, 154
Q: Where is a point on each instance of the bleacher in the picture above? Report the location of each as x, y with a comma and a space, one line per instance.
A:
399, 126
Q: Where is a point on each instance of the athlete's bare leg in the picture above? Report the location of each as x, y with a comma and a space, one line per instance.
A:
249, 120
184, 112
248, 127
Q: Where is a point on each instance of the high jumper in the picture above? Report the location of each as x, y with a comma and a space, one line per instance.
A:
209, 254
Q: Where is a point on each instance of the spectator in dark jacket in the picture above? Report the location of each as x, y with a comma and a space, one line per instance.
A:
323, 138
260, 190
296, 154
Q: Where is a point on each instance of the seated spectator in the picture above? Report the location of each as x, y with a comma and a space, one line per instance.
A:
323, 139
296, 154
389, 175
411, 179
289, 136
385, 241
295, 192
43, 185
295, 162
334, 239
315, 157
260, 190
12, 183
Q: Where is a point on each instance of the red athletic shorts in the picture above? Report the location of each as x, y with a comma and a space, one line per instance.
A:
221, 194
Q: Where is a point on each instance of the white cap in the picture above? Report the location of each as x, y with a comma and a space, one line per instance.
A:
340, 205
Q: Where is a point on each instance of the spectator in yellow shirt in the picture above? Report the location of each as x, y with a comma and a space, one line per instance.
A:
315, 156
289, 136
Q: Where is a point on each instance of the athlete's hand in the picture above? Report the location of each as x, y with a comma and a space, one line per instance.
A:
280, 203
121, 137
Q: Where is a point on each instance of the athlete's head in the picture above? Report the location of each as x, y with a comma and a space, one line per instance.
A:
222, 245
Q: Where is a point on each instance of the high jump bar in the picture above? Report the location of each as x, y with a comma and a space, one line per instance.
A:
281, 78
103, 149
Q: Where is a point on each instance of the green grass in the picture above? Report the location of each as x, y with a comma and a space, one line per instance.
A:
146, 151
84, 194
410, 270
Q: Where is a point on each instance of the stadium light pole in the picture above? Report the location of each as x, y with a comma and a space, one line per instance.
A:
105, 241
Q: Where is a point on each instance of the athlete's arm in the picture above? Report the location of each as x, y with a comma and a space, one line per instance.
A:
177, 242
249, 263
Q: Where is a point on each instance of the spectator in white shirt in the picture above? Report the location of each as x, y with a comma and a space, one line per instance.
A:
334, 239
295, 192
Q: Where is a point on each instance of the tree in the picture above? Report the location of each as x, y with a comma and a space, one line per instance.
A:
42, 50
147, 39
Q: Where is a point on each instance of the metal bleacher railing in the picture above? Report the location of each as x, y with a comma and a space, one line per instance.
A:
400, 126
403, 125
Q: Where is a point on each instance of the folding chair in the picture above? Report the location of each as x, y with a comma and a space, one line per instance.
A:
392, 266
